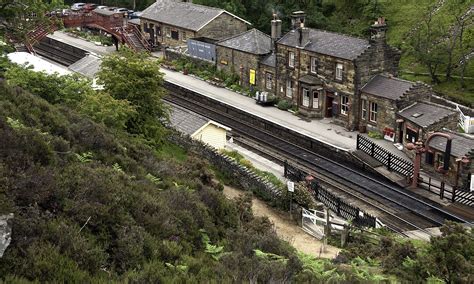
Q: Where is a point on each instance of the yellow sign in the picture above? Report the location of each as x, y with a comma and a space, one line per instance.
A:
223, 62
252, 77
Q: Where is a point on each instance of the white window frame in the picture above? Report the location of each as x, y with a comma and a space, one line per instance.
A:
291, 59
268, 80
373, 111
305, 97
315, 99
314, 65
339, 71
364, 109
183, 36
168, 31
344, 104
289, 88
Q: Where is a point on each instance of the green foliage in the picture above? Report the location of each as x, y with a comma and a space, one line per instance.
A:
132, 76
375, 135
89, 36
284, 104
84, 157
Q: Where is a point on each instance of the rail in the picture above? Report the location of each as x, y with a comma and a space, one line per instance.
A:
391, 161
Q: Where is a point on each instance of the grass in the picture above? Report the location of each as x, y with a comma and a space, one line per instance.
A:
172, 151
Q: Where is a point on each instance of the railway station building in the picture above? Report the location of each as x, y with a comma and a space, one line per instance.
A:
172, 22
322, 72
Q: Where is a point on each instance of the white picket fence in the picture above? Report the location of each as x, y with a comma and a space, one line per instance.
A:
465, 122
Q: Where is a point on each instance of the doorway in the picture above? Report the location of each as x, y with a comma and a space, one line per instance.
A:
329, 101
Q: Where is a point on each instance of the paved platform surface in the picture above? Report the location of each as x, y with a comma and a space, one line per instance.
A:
83, 44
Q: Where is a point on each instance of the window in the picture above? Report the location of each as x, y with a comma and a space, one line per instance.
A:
411, 135
315, 99
158, 30
339, 71
289, 88
291, 59
314, 65
373, 112
429, 158
168, 32
440, 160
175, 35
269, 81
364, 109
305, 97
183, 36
344, 104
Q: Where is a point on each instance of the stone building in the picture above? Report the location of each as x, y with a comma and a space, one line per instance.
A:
322, 72
419, 119
380, 100
462, 153
171, 22
241, 55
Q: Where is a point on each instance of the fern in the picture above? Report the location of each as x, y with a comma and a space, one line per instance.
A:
269, 256
15, 123
84, 157
118, 168
215, 251
153, 179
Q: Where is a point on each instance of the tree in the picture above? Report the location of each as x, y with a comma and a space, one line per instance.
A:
17, 17
451, 255
132, 76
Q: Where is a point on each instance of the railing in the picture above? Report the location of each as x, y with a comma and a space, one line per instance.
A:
391, 161
330, 200
136, 31
451, 193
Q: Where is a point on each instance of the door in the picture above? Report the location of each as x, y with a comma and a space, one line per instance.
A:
329, 102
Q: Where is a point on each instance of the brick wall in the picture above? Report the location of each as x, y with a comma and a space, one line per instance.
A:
231, 60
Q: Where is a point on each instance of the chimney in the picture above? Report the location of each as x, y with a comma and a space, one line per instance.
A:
378, 30
276, 28
297, 18
304, 35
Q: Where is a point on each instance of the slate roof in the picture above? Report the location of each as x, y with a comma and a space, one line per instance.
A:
183, 14
270, 60
460, 146
87, 66
188, 122
386, 87
134, 21
252, 41
424, 115
328, 43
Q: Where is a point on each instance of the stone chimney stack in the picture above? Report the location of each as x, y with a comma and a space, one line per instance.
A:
304, 35
378, 30
276, 28
297, 18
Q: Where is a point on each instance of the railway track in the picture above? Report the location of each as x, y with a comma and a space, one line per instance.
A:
396, 208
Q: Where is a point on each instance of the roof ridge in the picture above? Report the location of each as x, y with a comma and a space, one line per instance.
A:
338, 33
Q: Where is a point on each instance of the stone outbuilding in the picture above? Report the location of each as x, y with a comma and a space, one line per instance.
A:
421, 118
171, 22
380, 100
322, 72
198, 127
462, 153
241, 55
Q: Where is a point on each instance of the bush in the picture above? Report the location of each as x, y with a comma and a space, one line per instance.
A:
285, 104
375, 135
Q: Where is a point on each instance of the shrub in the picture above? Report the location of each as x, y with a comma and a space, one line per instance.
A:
284, 104
375, 135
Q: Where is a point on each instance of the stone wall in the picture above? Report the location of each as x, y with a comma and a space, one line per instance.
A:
386, 114
245, 178
162, 38
442, 101
419, 92
230, 60
263, 69
222, 27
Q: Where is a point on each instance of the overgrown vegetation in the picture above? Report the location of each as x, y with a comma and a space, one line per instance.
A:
90, 36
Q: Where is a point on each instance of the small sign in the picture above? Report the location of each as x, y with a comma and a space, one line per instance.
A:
291, 186
252, 77
472, 183
223, 62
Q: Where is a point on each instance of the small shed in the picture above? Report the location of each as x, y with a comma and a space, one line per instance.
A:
198, 127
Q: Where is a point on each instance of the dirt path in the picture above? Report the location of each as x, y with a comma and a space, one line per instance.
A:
285, 228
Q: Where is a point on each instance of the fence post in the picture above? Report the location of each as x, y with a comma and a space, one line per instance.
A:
285, 168
429, 184
453, 194
372, 149
389, 161
358, 141
441, 192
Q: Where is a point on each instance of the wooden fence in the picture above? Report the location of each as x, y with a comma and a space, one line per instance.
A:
336, 204
391, 161
451, 193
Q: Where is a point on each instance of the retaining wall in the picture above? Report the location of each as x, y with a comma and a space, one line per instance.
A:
245, 178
